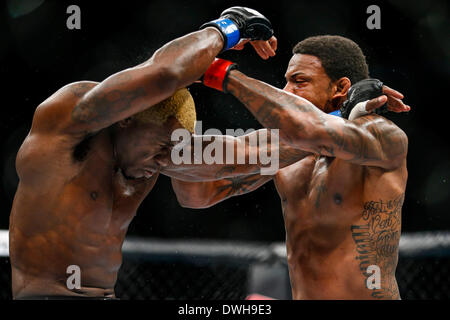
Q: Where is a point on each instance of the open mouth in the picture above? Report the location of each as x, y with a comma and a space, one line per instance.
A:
148, 173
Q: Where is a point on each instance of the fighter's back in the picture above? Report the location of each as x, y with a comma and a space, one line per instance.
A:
341, 218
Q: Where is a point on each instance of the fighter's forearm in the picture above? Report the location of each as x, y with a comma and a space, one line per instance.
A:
189, 56
214, 157
205, 194
177, 64
275, 108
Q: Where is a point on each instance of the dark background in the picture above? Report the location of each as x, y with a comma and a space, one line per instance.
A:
38, 55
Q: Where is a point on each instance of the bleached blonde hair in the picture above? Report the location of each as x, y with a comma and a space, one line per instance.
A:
180, 105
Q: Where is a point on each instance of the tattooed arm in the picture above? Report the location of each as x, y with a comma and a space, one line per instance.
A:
85, 107
371, 140
192, 192
200, 195
213, 157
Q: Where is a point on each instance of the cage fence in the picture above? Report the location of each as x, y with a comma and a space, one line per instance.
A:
156, 269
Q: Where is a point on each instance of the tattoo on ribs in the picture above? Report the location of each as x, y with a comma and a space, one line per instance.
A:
377, 242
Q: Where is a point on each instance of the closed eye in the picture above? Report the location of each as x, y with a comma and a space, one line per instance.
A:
299, 82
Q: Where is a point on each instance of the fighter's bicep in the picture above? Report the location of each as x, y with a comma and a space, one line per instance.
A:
372, 141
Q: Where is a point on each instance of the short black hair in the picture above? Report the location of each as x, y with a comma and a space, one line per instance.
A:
340, 56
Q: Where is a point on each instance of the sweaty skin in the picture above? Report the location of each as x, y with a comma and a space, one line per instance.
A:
70, 212
85, 167
74, 203
341, 199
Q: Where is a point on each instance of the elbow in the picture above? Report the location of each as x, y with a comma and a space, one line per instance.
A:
194, 203
192, 196
168, 79
397, 155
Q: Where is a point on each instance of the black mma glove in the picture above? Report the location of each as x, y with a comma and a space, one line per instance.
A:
363, 90
238, 23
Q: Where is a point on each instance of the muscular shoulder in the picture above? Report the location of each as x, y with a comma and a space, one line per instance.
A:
392, 140
55, 112
373, 120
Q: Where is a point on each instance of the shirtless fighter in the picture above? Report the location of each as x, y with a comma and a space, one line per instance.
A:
91, 157
342, 199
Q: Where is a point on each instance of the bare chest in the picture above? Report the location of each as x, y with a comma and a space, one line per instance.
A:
105, 197
318, 190
79, 187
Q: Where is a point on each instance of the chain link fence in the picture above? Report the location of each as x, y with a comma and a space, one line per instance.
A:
206, 270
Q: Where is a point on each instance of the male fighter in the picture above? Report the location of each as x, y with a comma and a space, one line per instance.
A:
342, 199
93, 154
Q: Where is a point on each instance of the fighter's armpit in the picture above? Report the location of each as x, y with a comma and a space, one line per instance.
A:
290, 155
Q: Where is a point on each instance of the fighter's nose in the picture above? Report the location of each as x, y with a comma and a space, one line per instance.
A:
287, 88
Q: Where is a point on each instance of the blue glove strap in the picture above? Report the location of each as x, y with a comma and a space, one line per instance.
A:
336, 113
230, 29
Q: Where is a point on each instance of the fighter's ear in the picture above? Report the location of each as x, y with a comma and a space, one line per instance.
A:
125, 122
342, 86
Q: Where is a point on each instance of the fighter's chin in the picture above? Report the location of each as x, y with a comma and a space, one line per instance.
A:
128, 174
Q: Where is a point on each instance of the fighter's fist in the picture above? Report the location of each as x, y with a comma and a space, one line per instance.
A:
238, 23
252, 24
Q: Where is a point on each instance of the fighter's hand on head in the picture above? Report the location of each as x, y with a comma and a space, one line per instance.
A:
394, 100
241, 24
368, 106
392, 97
370, 95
